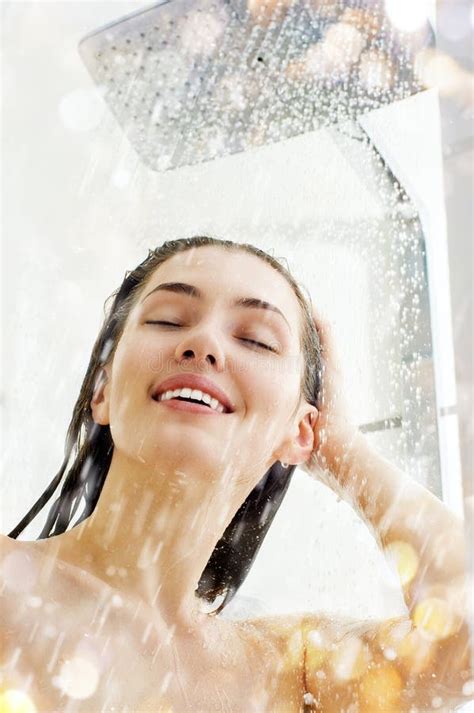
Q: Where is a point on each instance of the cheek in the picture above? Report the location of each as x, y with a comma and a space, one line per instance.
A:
152, 356
154, 361
138, 358
129, 385
274, 388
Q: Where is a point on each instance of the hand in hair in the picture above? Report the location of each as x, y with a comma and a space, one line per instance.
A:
334, 430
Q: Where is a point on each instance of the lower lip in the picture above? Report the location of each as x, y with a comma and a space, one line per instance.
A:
188, 407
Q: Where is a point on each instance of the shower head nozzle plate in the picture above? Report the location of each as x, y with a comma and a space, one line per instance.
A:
193, 80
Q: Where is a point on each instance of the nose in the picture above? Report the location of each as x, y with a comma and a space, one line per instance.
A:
201, 346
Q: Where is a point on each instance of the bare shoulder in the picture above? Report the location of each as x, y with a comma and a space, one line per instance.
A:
15, 552
395, 664
17, 563
8, 545
50, 613
19, 660
5, 541
25, 587
389, 665
41, 593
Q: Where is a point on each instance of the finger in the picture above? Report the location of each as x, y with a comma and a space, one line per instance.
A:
325, 332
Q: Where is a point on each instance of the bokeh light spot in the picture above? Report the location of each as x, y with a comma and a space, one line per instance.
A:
78, 678
434, 619
405, 559
16, 701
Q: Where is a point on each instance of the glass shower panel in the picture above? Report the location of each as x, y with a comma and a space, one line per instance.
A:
379, 264
402, 345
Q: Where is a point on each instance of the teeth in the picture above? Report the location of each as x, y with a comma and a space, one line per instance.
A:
196, 394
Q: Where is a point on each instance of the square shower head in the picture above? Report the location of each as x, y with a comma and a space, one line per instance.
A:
193, 80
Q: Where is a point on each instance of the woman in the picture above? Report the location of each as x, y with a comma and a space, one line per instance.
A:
108, 615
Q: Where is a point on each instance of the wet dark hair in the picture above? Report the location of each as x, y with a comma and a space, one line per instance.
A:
89, 446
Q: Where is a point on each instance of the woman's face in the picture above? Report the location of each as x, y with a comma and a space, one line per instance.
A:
213, 338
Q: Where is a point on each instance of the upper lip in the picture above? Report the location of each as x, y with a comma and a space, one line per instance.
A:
192, 381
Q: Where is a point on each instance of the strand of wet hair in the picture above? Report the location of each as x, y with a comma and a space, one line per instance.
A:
40, 503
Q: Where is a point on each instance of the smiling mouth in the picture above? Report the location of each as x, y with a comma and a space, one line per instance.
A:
189, 405
182, 398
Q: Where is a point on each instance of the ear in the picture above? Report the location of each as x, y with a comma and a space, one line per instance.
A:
100, 398
299, 446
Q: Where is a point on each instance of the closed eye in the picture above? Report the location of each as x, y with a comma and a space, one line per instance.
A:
261, 345
157, 321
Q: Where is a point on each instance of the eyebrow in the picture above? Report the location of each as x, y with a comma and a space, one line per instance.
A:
182, 288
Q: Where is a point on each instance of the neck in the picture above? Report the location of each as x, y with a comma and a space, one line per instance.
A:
153, 532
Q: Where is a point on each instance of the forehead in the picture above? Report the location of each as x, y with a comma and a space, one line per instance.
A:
221, 273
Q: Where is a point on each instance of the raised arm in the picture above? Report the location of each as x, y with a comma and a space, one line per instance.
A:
422, 662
